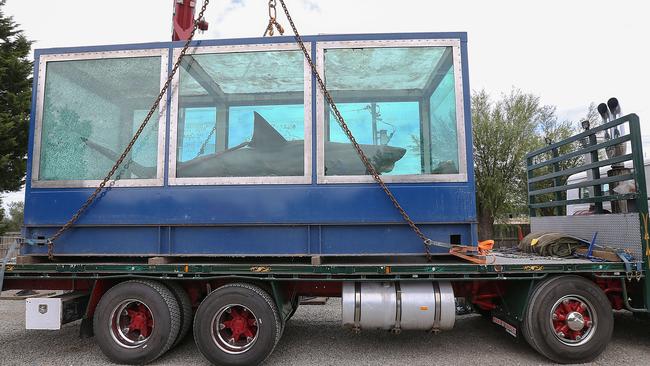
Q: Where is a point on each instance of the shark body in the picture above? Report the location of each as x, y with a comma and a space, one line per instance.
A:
270, 154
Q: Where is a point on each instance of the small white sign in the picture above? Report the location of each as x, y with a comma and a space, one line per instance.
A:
43, 313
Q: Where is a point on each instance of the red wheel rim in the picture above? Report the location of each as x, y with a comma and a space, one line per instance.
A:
573, 320
131, 323
235, 329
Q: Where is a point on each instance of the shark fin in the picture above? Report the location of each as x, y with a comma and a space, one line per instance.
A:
264, 135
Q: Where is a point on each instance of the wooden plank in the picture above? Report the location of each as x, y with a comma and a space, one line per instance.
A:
27, 259
603, 254
154, 261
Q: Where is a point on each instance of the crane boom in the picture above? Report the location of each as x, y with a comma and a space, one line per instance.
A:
183, 20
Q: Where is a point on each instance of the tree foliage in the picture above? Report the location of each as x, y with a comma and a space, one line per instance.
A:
552, 130
16, 216
11, 221
504, 131
3, 226
15, 93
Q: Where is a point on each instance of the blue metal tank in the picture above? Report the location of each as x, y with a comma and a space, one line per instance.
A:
244, 157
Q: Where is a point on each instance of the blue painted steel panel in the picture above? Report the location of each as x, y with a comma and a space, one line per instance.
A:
238, 240
385, 239
114, 240
255, 219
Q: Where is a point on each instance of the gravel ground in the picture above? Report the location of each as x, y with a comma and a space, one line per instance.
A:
315, 337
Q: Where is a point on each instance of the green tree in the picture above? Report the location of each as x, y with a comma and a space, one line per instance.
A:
15, 93
2, 217
551, 130
16, 216
504, 131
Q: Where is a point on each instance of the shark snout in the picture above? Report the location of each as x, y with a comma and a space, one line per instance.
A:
386, 157
391, 153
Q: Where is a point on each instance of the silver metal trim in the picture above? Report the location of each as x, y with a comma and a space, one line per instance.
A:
407, 178
357, 305
173, 130
438, 307
40, 94
398, 308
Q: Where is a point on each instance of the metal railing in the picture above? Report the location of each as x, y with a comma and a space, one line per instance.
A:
6, 241
548, 184
547, 180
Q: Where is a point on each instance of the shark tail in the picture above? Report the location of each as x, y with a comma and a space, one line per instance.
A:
140, 170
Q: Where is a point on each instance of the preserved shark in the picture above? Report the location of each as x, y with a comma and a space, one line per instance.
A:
268, 153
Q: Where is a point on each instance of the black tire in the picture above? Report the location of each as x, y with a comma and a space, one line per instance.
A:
258, 306
160, 303
591, 311
185, 306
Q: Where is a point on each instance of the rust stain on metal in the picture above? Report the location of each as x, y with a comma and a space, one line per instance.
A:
260, 269
534, 268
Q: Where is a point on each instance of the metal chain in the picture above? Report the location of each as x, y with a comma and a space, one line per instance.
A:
369, 167
154, 107
205, 143
273, 23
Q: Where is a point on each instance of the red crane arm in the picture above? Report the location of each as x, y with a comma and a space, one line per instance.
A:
183, 20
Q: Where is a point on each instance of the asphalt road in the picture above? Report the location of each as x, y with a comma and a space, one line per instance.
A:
314, 337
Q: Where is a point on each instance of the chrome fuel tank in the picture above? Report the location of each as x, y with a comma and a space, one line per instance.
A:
398, 305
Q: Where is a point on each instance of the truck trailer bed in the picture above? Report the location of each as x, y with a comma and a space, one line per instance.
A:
499, 266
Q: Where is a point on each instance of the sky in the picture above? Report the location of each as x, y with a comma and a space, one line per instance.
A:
570, 53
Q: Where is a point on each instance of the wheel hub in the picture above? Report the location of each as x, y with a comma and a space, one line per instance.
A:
235, 329
575, 321
572, 320
141, 320
132, 323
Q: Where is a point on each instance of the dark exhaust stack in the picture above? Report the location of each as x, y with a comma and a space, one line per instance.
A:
604, 112
614, 108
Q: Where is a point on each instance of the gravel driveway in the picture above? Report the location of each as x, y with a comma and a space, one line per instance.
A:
314, 337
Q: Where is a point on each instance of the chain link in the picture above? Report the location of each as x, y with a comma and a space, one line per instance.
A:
206, 141
273, 23
369, 167
154, 107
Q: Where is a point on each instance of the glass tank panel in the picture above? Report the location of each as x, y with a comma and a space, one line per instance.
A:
247, 110
91, 110
400, 104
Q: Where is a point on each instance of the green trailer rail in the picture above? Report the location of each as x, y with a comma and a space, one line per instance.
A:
502, 269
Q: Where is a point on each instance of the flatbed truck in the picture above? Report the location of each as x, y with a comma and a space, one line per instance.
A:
167, 250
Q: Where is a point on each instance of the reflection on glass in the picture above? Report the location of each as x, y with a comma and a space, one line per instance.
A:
91, 110
241, 115
199, 137
399, 103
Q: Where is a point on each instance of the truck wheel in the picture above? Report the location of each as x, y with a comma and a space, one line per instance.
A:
136, 322
185, 306
237, 324
568, 319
